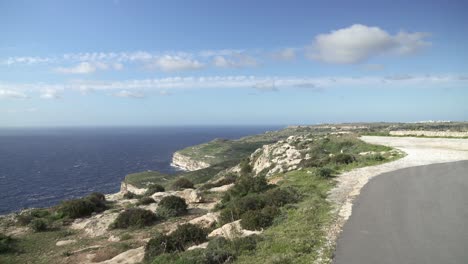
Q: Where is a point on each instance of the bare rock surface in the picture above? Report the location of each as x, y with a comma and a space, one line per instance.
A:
131, 256
206, 220
96, 225
232, 230
65, 242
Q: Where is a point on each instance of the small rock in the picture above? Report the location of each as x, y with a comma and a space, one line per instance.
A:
204, 245
65, 242
113, 238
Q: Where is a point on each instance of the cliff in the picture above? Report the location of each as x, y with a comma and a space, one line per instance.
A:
187, 163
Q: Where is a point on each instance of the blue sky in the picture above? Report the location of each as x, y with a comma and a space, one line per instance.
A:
74, 63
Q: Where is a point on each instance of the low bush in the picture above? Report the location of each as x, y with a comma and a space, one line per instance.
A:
187, 234
154, 188
245, 167
171, 206
247, 184
182, 183
325, 172
236, 208
145, 201
38, 225
281, 196
161, 244
95, 202
375, 157
343, 158
259, 219
235, 246
6, 243
130, 195
134, 217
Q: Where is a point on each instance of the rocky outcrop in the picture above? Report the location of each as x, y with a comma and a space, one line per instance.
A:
189, 195
96, 225
126, 187
285, 155
205, 221
186, 163
131, 256
428, 133
232, 230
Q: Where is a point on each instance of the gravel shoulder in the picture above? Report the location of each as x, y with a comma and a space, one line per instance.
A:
419, 151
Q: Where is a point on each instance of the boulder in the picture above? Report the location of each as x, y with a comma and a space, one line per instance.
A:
232, 230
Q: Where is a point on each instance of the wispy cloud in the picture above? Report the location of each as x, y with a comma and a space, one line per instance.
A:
129, 94
50, 93
140, 87
13, 94
89, 67
174, 63
358, 43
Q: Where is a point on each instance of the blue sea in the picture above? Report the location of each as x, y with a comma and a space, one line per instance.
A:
41, 167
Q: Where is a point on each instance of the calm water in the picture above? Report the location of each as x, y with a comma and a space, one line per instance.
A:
40, 167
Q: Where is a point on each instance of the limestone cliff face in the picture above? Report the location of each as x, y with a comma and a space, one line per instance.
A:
126, 187
186, 163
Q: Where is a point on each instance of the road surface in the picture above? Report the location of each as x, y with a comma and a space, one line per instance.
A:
409, 216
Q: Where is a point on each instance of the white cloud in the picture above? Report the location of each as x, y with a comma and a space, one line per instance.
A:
237, 60
89, 67
358, 43
169, 63
81, 68
163, 86
27, 60
285, 54
12, 94
129, 94
50, 93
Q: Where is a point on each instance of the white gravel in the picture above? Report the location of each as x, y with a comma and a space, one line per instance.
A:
419, 151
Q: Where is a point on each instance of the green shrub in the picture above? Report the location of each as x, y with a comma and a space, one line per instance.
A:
259, 219
325, 172
375, 157
154, 188
24, 218
40, 213
161, 244
130, 195
235, 246
171, 206
38, 225
247, 184
145, 201
237, 207
343, 158
281, 196
187, 234
245, 167
134, 217
182, 183
95, 202
6, 243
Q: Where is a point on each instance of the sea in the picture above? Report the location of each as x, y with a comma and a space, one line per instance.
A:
39, 167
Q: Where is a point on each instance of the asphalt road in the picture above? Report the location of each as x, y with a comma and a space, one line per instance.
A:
417, 215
